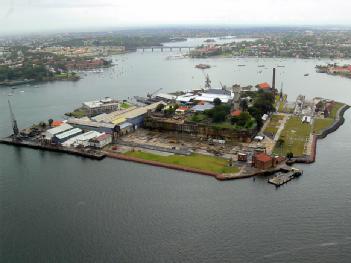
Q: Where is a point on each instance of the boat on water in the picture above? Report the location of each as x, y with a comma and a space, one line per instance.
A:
306, 75
10, 94
241, 65
281, 66
261, 66
202, 66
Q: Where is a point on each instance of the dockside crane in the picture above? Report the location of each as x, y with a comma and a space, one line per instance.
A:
207, 81
14, 121
149, 95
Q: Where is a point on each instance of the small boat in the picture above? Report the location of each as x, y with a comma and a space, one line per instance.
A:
241, 65
22, 91
261, 66
306, 75
281, 66
202, 66
10, 94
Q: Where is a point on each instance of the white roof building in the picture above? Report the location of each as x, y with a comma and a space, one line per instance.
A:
82, 139
68, 133
52, 132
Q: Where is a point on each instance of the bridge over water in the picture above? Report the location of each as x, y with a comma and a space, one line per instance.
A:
165, 48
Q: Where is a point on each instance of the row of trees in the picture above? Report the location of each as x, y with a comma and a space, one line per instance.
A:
28, 71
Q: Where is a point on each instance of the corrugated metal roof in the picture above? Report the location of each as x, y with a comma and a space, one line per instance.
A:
68, 133
119, 121
125, 125
75, 121
59, 129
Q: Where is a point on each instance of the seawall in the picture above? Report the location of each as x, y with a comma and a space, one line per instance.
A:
90, 155
339, 120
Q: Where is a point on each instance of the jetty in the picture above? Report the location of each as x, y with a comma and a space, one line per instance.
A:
283, 178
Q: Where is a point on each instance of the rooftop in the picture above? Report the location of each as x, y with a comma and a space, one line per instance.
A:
264, 86
263, 157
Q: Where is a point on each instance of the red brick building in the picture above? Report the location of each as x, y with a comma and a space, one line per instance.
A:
263, 161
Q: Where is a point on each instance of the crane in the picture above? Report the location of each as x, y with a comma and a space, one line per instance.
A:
14, 122
149, 95
207, 81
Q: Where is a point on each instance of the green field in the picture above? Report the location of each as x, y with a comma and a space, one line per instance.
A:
294, 135
321, 124
197, 161
335, 109
78, 113
274, 124
125, 105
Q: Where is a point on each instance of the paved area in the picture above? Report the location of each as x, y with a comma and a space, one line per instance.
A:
281, 128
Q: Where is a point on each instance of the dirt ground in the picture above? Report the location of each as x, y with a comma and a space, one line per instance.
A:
185, 141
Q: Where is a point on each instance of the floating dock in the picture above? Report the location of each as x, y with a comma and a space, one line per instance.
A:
283, 178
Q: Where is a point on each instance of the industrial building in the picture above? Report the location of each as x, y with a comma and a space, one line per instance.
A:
96, 107
101, 141
132, 115
50, 133
202, 107
211, 94
87, 124
61, 137
82, 139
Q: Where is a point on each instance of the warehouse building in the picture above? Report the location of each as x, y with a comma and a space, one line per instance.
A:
62, 137
87, 124
50, 133
96, 107
82, 139
101, 141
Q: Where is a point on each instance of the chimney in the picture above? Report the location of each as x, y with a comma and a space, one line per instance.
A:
273, 81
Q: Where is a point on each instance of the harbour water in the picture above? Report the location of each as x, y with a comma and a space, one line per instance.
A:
62, 208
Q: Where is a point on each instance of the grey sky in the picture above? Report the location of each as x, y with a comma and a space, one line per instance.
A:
43, 15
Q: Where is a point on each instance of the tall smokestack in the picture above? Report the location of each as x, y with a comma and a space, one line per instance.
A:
273, 81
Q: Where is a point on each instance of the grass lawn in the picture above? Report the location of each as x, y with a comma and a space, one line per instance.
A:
198, 117
335, 109
274, 124
79, 113
294, 135
197, 161
125, 105
281, 107
321, 124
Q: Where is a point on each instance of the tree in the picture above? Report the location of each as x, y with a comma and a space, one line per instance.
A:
217, 101
244, 117
243, 105
160, 107
219, 116
280, 142
290, 155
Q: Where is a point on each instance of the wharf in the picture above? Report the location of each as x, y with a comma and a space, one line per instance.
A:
97, 155
283, 178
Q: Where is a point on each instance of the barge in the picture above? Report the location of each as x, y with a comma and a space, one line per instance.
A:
283, 178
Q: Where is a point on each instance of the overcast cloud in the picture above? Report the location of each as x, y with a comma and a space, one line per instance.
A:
42, 15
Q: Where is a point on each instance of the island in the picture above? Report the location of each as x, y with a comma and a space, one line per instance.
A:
229, 133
